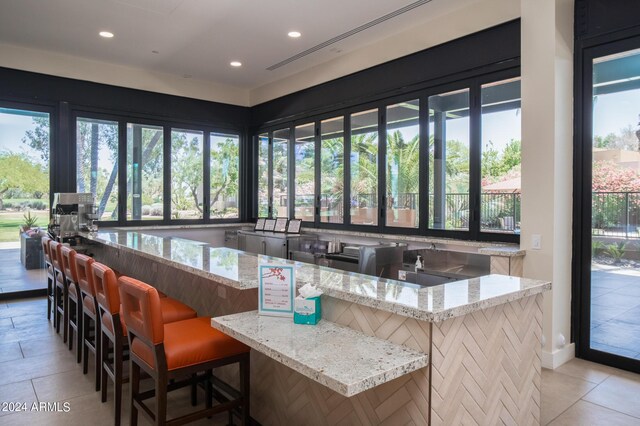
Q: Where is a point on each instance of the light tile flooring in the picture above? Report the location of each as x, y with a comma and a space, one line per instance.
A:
615, 310
35, 366
14, 276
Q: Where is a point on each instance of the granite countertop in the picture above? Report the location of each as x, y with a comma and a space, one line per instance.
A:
342, 359
239, 270
493, 249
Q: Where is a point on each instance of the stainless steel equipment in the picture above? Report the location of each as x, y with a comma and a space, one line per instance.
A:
73, 212
381, 260
271, 243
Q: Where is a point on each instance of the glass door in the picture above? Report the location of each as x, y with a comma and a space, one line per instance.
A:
24, 198
613, 311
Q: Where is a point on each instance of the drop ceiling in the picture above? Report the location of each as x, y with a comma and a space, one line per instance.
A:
198, 38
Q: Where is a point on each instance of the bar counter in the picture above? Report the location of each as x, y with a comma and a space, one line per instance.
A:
472, 347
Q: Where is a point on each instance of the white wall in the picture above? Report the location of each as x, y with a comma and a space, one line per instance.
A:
468, 20
547, 141
45, 62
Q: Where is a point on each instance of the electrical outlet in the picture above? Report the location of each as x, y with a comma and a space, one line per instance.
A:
536, 242
402, 275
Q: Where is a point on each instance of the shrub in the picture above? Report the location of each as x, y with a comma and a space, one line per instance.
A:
37, 205
156, 210
146, 210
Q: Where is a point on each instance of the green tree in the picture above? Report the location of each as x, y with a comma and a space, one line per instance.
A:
224, 173
402, 164
18, 171
38, 138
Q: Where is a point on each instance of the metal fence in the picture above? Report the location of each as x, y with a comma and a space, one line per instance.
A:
500, 212
615, 214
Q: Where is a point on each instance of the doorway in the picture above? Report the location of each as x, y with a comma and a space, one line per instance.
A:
24, 198
609, 308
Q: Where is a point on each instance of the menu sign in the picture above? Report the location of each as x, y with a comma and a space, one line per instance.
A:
277, 289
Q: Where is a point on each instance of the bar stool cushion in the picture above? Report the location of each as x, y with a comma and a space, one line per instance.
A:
88, 304
73, 291
191, 342
172, 310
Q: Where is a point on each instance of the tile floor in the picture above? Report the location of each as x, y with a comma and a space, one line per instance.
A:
36, 366
14, 276
615, 310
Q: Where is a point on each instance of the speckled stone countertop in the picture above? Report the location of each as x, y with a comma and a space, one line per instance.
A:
239, 270
345, 360
493, 249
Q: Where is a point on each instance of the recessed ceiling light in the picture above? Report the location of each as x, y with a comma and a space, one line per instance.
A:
106, 34
294, 34
235, 64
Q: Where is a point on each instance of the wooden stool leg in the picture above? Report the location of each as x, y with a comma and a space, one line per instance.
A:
161, 398
79, 322
117, 372
49, 294
194, 391
71, 306
65, 315
134, 380
97, 342
86, 322
104, 357
245, 389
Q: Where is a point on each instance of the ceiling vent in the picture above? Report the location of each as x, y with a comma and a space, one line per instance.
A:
349, 33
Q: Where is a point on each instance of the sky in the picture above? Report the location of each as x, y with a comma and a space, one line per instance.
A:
612, 112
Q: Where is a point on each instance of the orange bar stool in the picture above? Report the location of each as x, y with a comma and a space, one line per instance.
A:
114, 332
74, 326
60, 294
90, 323
173, 351
50, 278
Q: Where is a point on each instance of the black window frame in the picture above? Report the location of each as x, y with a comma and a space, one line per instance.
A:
167, 126
474, 84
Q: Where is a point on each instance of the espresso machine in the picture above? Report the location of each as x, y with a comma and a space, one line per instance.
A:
72, 212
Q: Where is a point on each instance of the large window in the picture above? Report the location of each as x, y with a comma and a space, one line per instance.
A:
332, 170
145, 172
224, 176
443, 163
304, 182
403, 164
364, 167
24, 170
263, 175
186, 174
449, 161
500, 196
97, 163
280, 173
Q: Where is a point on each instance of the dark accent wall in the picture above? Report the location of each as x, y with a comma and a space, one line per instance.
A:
41, 88
472, 55
599, 17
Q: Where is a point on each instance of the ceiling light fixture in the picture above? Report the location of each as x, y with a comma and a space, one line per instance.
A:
235, 64
106, 34
294, 34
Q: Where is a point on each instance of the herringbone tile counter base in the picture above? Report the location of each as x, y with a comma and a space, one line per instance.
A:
486, 367
282, 396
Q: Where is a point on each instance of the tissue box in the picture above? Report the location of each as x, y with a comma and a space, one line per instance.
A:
307, 311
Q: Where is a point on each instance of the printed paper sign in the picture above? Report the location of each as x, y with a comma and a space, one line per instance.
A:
277, 289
